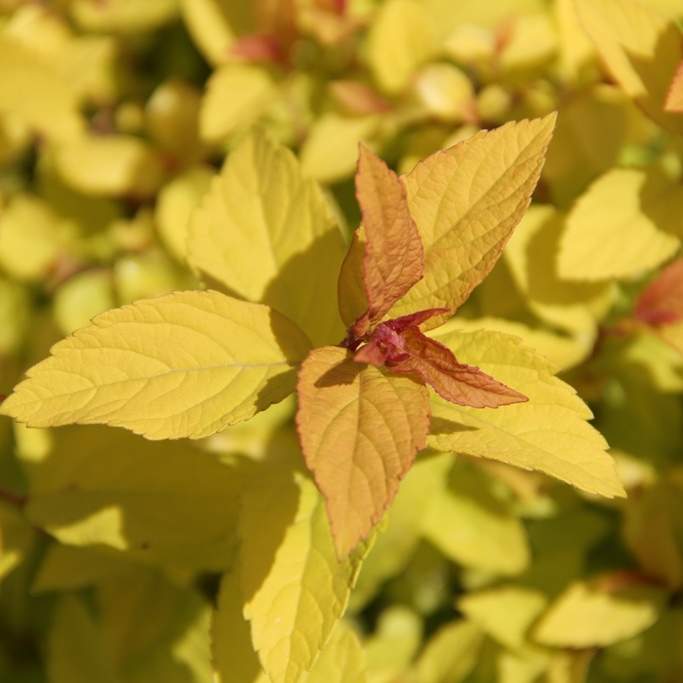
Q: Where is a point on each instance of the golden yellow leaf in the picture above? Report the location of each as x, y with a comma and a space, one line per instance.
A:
472, 526
212, 25
183, 365
95, 486
16, 537
504, 612
233, 655
293, 586
32, 89
236, 96
400, 39
450, 655
110, 166
30, 239
640, 47
587, 615
123, 15
625, 224
177, 200
532, 257
466, 201
268, 235
360, 429
330, 150
549, 433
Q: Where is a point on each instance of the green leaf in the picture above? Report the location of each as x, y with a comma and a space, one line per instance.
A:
330, 150
625, 224
505, 613
236, 97
268, 235
401, 528
294, 587
400, 39
472, 526
76, 652
177, 200
342, 659
549, 433
154, 631
588, 616
16, 538
234, 658
98, 486
186, 364
67, 568
394, 643
450, 654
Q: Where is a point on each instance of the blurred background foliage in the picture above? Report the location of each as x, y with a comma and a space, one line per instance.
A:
114, 116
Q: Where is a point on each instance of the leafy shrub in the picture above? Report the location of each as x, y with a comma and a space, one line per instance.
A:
367, 390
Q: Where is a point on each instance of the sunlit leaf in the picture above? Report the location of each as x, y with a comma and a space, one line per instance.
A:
293, 586
236, 97
625, 224
360, 429
450, 655
268, 234
466, 202
393, 260
587, 616
330, 150
549, 433
228, 359
83, 498
28, 81
110, 166
640, 47
471, 526
400, 40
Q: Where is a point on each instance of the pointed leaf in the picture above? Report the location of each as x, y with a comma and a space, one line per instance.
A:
588, 615
549, 433
662, 301
394, 259
102, 487
233, 655
360, 429
504, 612
640, 47
463, 384
294, 587
470, 524
342, 659
236, 97
466, 201
451, 654
401, 38
624, 224
268, 234
183, 365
